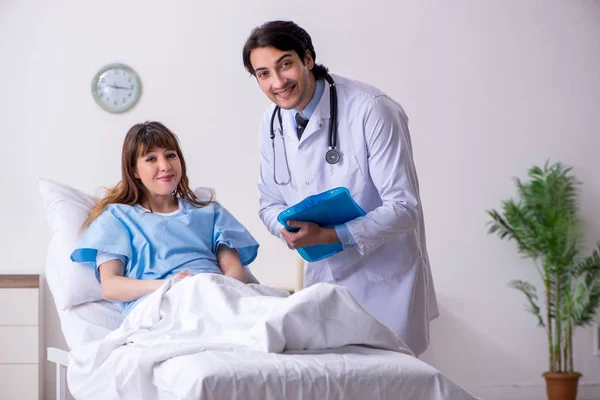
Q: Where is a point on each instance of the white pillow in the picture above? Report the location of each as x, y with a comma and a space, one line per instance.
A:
67, 208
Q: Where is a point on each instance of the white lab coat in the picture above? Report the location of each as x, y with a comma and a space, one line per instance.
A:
388, 270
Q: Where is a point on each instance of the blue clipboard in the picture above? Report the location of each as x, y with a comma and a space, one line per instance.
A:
326, 209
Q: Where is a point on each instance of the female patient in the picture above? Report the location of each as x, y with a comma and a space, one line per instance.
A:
151, 226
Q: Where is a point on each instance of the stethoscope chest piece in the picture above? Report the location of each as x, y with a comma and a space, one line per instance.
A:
332, 156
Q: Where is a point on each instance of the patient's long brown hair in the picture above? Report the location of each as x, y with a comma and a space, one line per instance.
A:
141, 139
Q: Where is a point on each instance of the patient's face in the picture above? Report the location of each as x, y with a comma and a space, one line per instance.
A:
160, 171
284, 77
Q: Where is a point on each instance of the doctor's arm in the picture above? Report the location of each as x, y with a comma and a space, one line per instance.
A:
393, 173
272, 203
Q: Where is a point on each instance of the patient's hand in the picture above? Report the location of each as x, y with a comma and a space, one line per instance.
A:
181, 275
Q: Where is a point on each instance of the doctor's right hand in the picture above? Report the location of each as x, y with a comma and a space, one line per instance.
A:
309, 234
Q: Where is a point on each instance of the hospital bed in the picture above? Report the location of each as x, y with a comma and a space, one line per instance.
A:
94, 320
349, 372
343, 372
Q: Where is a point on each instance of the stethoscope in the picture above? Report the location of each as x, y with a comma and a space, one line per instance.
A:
332, 156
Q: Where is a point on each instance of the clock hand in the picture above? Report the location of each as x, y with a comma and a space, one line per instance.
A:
118, 87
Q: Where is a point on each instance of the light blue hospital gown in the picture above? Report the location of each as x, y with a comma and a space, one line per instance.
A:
157, 246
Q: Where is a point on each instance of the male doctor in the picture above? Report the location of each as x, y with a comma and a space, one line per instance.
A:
384, 263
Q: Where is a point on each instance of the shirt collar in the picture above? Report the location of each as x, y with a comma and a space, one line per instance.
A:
312, 105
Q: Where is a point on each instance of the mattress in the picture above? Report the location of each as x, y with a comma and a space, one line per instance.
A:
350, 372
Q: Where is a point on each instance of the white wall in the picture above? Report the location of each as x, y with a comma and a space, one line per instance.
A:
491, 87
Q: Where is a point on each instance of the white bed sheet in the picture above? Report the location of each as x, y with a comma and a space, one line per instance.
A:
90, 321
349, 372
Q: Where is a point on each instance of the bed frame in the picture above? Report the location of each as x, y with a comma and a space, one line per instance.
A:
61, 357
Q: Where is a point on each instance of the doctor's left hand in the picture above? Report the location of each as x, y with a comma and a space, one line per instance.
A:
308, 235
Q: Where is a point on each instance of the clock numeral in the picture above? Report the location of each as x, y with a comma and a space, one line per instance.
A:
115, 102
129, 94
123, 100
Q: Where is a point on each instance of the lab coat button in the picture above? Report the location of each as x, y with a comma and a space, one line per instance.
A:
299, 147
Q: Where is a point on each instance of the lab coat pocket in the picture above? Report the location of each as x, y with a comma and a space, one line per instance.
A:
347, 173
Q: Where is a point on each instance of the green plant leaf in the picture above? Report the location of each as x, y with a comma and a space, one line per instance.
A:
530, 292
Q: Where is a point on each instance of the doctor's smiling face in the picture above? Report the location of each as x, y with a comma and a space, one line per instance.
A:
285, 78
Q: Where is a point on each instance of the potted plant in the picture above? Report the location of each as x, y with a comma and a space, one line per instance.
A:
545, 225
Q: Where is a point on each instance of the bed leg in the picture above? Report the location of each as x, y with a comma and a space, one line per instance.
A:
61, 382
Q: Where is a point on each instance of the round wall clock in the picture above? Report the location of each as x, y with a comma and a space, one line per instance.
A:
116, 88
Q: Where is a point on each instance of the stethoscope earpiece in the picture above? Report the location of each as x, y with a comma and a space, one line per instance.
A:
332, 156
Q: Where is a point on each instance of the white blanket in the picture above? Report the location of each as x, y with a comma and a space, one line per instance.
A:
216, 313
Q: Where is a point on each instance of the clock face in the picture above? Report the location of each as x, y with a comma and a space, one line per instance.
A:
116, 88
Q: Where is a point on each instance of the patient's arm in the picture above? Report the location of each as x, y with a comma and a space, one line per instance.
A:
230, 264
117, 287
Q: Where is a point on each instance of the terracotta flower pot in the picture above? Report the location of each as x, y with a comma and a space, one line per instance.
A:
561, 386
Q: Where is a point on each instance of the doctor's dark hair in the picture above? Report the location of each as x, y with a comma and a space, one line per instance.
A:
140, 140
284, 36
